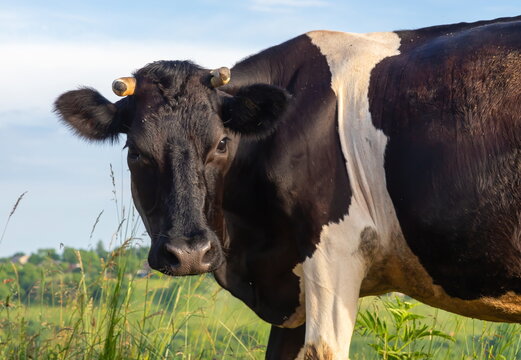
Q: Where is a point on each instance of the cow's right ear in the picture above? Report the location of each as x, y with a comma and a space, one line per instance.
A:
255, 110
92, 116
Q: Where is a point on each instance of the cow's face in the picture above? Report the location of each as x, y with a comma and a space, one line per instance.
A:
182, 135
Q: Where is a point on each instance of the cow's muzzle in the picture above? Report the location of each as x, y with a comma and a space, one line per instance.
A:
186, 255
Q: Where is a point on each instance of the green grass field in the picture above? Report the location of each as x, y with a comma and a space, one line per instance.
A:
192, 318
156, 318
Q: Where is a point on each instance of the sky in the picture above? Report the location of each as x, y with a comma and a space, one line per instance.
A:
49, 47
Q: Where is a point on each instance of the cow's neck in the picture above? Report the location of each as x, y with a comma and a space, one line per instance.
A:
279, 65
254, 240
278, 192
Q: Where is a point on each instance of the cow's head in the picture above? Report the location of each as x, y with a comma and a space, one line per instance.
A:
182, 135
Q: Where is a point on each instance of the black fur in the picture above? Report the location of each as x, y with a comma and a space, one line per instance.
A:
89, 114
255, 110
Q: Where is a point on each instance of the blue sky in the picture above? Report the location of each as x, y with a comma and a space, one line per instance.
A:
49, 47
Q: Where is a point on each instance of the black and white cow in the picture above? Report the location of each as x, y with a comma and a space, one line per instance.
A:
332, 166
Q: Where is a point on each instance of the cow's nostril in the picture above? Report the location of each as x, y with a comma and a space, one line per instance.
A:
208, 254
185, 258
171, 255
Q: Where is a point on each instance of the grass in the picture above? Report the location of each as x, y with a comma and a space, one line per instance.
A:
192, 318
159, 317
136, 318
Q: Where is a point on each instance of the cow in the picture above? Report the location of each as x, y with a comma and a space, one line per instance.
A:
329, 167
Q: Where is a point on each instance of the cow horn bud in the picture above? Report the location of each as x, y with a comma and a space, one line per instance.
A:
124, 86
220, 77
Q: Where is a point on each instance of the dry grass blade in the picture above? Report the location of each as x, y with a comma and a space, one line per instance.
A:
11, 214
95, 224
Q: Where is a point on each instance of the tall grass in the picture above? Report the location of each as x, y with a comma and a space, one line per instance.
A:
149, 318
13, 210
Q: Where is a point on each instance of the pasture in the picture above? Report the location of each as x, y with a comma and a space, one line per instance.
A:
122, 316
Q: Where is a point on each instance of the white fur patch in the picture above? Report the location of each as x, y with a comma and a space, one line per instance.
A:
334, 274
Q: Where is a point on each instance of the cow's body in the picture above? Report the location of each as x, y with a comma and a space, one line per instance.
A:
395, 168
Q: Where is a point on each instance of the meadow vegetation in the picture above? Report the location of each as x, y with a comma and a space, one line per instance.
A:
106, 309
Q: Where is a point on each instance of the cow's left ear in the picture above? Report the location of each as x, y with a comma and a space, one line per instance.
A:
255, 109
92, 116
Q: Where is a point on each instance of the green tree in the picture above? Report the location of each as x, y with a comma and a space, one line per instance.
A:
49, 253
29, 274
100, 250
69, 255
36, 259
91, 262
6, 282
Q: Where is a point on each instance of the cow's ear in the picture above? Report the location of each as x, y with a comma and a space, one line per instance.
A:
92, 116
255, 110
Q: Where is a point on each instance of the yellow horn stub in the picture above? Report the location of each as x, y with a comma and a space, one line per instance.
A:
220, 76
124, 86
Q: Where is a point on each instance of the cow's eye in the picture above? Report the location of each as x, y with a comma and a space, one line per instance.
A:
133, 155
221, 147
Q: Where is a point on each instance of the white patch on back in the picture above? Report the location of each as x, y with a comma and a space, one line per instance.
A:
351, 58
334, 273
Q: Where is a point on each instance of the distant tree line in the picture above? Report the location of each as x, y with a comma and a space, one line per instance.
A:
47, 272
